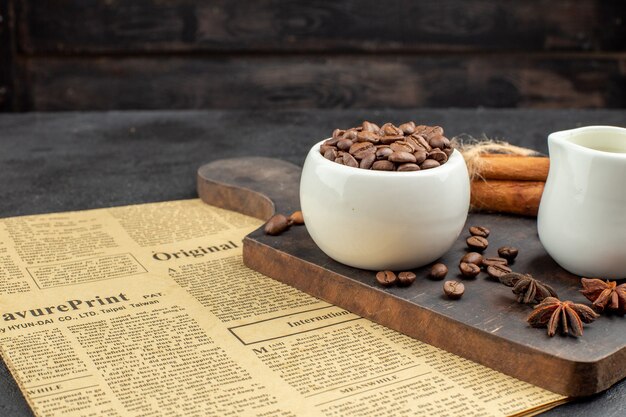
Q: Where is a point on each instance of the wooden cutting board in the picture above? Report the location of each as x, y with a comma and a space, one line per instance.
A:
487, 325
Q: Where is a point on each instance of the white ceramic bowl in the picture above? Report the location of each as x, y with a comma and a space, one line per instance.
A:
381, 220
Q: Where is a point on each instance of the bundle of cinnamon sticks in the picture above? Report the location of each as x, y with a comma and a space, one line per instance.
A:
505, 183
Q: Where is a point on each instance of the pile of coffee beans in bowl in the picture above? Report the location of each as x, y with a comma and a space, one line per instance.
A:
408, 147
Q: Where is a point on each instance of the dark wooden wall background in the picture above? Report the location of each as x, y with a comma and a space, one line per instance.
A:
174, 54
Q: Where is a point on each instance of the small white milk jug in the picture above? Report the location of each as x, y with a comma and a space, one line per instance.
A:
582, 215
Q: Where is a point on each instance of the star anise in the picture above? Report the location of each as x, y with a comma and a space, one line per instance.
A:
605, 294
564, 315
527, 288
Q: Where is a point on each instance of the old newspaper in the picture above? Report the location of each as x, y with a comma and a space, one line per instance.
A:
148, 310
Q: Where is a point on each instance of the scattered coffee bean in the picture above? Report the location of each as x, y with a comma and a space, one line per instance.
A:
404, 148
479, 231
497, 270
473, 258
508, 252
386, 278
469, 270
487, 262
438, 271
277, 224
453, 289
406, 278
296, 218
477, 243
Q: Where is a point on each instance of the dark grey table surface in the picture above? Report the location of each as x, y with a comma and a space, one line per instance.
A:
53, 162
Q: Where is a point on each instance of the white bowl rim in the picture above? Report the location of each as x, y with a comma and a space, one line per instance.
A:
454, 159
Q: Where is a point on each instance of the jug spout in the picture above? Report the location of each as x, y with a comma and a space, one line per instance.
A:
582, 214
608, 139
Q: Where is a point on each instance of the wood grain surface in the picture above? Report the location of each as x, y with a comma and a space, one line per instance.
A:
116, 26
276, 54
487, 325
338, 81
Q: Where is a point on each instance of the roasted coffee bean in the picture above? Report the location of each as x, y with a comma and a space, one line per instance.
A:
367, 136
386, 278
473, 258
438, 271
383, 153
296, 218
330, 154
421, 141
361, 149
436, 142
370, 127
408, 147
429, 163
277, 224
401, 157
388, 129
383, 165
453, 289
434, 131
408, 167
349, 160
407, 128
359, 146
479, 231
350, 135
388, 140
469, 270
508, 252
406, 278
438, 156
331, 142
420, 155
411, 141
338, 133
402, 146
344, 144
367, 161
497, 270
477, 243
494, 261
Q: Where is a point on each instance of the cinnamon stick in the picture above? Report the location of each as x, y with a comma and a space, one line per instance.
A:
500, 196
513, 167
